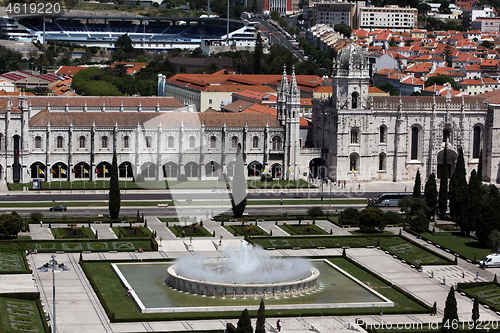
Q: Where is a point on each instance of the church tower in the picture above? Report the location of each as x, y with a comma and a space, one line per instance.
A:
350, 78
288, 114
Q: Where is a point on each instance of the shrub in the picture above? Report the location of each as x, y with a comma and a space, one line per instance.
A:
36, 217
420, 223
370, 219
392, 218
315, 212
349, 216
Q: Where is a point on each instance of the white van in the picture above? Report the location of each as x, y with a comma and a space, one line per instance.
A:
491, 260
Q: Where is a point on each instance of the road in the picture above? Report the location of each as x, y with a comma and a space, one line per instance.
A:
101, 195
275, 36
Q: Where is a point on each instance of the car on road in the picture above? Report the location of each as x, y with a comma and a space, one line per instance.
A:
59, 208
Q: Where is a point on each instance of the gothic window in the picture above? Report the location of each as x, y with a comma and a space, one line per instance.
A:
191, 141
381, 162
234, 142
38, 142
59, 142
126, 141
476, 142
383, 133
255, 142
1, 141
354, 162
415, 137
354, 100
170, 142
354, 136
213, 142
446, 135
82, 141
149, 141
276, 142
104, 142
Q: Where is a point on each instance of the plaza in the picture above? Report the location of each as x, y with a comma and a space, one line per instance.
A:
79, 309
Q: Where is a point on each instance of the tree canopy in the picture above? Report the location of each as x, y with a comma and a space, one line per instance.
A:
440, 80
344, 29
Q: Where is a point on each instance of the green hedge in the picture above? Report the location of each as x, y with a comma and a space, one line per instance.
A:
294, 229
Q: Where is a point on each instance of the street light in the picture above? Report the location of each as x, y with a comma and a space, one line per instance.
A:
54, 266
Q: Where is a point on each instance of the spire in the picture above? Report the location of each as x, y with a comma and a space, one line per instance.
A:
294, 89
284, 82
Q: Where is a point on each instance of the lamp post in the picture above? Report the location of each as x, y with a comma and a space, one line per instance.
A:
54, 266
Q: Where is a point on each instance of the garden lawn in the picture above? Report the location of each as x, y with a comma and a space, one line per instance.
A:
13, 263
467, 247
21, 315
302, 229
190, 231
245, 230
411, 252
72, 232
487, 293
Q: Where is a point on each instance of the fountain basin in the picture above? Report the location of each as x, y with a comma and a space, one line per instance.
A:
294, 287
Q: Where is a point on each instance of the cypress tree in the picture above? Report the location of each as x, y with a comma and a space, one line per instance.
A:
258, 54
450, 318
443, 185
458, 187
470, 217
114, 190
238, 193
480, 166
244, 323
475, 314
418, 185
260, 325
490, 215
431, 194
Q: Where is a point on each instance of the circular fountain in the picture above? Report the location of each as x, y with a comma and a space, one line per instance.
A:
247, 272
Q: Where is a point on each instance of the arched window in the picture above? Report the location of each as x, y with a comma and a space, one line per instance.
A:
38, 142
213, 142
415, 133
59, 142
354, 162
276, 142
381, 162
234, 142
104, 142
382, 134
255, 142
149, 141
1, 142
354, 100
126, 141
191, 141
170, 142
354, 136
82, 141
476, 142
446, 135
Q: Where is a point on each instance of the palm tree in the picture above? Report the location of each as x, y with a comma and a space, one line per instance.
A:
120, 70
239, 60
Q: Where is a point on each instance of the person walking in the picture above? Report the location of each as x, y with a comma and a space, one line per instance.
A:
278, 325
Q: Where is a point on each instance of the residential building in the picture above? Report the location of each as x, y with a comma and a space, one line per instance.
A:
389, 17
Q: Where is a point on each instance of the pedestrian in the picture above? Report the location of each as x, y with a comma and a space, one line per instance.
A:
359, 186
477, 276
434, 309
281, 202
278, 325
41, 223
406, 187
345, 183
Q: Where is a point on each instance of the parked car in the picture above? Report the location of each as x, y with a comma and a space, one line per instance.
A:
59, 208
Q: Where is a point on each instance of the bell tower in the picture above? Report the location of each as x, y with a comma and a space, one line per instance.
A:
350, 78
